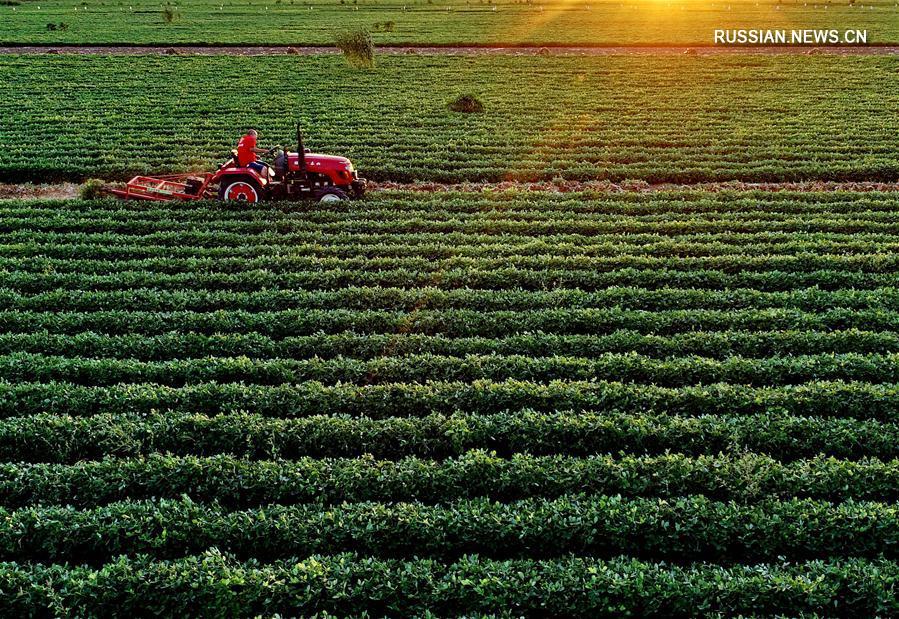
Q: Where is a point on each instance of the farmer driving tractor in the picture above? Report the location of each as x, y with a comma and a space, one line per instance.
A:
247, 151
298, 175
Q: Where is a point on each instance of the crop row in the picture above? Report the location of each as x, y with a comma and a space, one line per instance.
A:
416, 368
564, 587
71, 249
683, 528
883, 263
826, 399
353, 298
712, 344
421, 207
25, 242
742, 200
390, 223
61, 438
496, 279
234, 482
450, 322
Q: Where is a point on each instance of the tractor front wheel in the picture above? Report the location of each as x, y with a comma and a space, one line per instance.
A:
240, 190
331, 194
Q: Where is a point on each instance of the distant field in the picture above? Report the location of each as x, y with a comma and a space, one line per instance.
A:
663, 118
426, 22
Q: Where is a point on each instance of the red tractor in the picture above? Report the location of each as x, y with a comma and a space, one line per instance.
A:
291, 176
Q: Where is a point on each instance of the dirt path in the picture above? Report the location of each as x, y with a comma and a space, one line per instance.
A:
69, 191
509, 50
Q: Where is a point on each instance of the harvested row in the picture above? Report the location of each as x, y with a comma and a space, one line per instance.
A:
604, 527
627, 368
569, 586
712, 344
239, 483
826, 399
450, 322
399, 299
60, 438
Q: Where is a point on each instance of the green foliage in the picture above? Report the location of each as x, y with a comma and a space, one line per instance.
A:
91, 189
238, 483
357, 47
384, 26
469, 586
169, 15
55, 437
395, 126
667, 401
603, 527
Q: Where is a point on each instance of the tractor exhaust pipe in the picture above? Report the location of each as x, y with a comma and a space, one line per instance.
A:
301, 150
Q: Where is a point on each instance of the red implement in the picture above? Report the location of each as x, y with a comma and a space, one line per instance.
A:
171, 187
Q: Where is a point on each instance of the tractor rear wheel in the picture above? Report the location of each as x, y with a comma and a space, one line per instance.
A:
240, 190
330, 194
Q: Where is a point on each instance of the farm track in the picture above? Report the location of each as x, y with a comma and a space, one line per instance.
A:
463, 50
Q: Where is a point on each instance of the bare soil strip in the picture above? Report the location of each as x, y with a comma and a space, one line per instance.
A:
68, 191
469, 50
9, 191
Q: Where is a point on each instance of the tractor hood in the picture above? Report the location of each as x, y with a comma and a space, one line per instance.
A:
317, 163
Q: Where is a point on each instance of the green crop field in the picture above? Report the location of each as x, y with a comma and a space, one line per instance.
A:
618, 338
430, 22
498, 403
654, 118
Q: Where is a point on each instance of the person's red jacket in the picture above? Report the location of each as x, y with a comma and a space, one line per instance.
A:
245, 154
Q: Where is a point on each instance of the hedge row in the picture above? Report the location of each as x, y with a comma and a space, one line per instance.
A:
454, 323
362, 298
237, 482
628, 367
215, 585
712, 344
684, 528
826, 399
502, 278
65, 439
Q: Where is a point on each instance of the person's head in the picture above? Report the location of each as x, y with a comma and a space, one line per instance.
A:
253, 133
